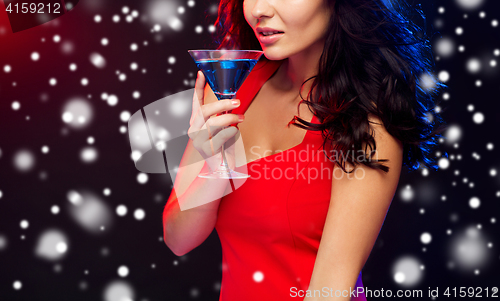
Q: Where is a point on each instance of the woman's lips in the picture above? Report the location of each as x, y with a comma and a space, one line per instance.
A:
270, 38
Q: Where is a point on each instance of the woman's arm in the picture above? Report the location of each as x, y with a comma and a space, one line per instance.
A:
358, 206
184, 230
191, 210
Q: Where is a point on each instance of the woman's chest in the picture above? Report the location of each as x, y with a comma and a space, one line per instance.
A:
266, 128
283, 198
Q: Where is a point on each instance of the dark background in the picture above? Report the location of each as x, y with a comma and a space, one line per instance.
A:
92, 260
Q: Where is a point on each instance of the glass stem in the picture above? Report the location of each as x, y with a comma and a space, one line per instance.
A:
223, 165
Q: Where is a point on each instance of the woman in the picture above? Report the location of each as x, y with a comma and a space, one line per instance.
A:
285, 236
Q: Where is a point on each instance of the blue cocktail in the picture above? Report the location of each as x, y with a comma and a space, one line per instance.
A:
225, 71
226, 76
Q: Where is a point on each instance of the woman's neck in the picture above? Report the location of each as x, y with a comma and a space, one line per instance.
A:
295, 70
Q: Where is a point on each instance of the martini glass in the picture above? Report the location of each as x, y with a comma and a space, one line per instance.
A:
225, 71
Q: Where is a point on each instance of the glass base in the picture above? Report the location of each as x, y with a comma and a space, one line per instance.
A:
224, 174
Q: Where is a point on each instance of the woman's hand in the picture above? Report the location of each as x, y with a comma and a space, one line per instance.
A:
206, 131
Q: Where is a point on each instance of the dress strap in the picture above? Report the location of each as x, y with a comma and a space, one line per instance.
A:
312, 135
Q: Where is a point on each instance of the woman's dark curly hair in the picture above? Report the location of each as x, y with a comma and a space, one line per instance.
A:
375, 61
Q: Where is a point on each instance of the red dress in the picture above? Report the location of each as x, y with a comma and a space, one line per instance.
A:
270, 227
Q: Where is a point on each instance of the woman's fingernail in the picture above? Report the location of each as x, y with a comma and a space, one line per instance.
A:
235, 102
241, 117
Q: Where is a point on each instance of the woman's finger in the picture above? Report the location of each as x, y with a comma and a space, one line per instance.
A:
215, 124
200, 87
214, 145
198, 97
209, 109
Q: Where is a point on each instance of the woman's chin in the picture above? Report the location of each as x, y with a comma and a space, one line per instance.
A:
273, 55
